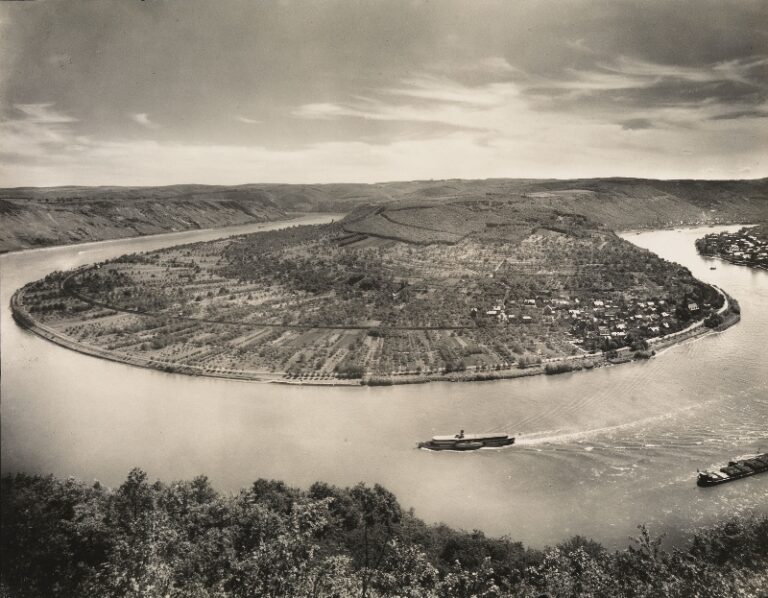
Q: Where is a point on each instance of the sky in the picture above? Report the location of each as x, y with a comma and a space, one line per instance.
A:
158, 92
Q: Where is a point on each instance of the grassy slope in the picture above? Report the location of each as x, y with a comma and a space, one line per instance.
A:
60, 215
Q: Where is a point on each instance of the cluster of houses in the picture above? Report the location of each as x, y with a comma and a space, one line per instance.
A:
603, 320
591, 322
740, 247
504, 313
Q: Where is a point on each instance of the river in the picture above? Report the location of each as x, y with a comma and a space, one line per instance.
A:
598, 452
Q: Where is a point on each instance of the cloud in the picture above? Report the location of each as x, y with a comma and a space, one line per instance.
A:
491, 88
143, 119
422, 98
576, 154
36, 131
447, 104
639, 94
43, 113
740, 114
633, 82
490, 132
636, 124
325, 110
740, 70
494, 64
579, 45
395, 121
246, 120
426, 87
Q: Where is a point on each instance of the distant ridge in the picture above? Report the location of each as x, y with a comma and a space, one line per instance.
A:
42, 216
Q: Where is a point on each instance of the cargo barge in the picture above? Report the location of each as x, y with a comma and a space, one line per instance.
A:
467, 442
735, 470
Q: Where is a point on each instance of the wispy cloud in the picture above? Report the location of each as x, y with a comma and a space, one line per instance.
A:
636, 124
327, 110
493, 64
422, 99
740, 114
36, 131
246, 120
426, 87
43, 113
731, 70
142, 118
640, 94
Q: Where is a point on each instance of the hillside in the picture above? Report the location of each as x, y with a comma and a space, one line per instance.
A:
38, 218
33, 217
402, 292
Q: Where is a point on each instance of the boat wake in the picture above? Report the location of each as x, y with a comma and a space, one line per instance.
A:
567, 437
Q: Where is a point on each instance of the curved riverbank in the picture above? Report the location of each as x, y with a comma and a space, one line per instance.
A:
551, 366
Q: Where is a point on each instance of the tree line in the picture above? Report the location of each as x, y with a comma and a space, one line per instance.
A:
61, 537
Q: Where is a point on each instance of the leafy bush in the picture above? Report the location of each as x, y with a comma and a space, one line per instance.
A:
559, 368
350, 370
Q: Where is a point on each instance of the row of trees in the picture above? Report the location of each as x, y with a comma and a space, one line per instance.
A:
144, 539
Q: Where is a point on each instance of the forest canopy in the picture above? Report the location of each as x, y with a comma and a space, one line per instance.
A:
62, 538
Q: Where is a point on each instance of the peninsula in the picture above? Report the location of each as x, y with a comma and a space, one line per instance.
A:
407, 291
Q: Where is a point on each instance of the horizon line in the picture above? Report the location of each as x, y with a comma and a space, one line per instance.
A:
390, 182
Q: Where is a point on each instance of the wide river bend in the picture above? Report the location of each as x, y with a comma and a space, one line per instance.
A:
598, 452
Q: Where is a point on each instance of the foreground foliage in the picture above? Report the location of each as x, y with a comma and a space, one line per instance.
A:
64, 538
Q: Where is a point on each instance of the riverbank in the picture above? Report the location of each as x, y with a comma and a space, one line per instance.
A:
224, 228
735, 262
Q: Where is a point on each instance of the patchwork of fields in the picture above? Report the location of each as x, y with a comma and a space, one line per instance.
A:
408, 290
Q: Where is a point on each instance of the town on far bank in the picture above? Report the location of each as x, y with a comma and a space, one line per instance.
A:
747, 246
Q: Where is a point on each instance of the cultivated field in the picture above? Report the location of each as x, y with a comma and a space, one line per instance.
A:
482, 287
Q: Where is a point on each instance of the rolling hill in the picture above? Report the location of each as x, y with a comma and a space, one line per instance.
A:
34, 217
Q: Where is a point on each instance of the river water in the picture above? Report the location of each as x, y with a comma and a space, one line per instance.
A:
598, 452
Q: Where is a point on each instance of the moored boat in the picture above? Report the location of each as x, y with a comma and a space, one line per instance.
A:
467, 442
735, 470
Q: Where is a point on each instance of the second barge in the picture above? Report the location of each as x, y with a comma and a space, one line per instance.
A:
735, 470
